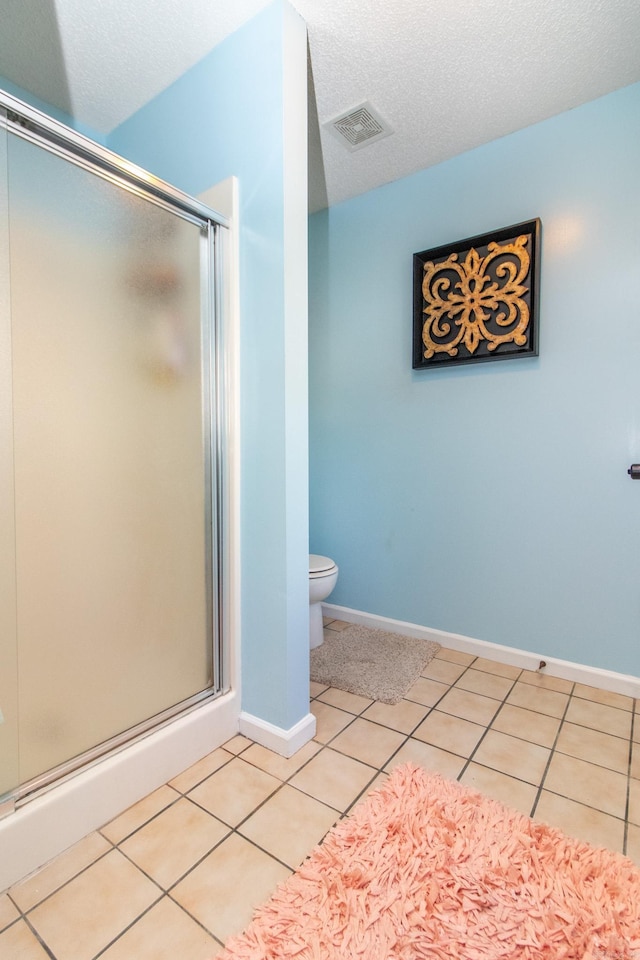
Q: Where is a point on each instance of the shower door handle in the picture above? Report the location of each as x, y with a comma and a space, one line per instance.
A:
634, 471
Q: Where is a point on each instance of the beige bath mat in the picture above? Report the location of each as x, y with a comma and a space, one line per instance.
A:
373, 663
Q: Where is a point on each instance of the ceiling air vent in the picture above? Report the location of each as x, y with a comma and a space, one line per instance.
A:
359, 127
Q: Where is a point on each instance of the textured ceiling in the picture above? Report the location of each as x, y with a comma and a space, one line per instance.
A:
447, 75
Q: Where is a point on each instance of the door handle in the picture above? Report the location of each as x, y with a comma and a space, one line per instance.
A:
634, 471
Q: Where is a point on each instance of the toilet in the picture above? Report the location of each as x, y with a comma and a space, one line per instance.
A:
323, 576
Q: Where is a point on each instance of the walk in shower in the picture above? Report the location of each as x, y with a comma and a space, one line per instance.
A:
112, 392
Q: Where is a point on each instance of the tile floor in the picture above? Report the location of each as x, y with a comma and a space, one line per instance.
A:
180, 871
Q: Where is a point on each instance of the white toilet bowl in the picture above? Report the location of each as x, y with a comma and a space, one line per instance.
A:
323, 576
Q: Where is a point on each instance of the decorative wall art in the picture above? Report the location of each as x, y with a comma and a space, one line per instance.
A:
477, 299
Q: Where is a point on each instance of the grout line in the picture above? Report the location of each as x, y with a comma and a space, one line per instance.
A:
184, 793
19, 909
144, 913
167, 891
42, 943
195, 920
124, 930
282, 783
450, 687
627, 809
365, 790
409, 736
150, 819
353, 716
65, 883
226, 823
486, 731
552, 752
180, 794
429, 710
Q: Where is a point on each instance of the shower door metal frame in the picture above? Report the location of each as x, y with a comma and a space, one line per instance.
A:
30, 124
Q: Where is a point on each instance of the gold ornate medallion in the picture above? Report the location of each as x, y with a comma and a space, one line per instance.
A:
477, 301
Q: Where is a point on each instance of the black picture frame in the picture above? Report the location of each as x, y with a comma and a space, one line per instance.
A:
477, 299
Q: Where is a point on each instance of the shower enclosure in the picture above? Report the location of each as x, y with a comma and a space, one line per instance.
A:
111, 406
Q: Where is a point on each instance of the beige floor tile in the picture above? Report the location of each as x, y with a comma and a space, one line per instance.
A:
633, 844
8, 911
277, 766
237, 744
67, 865
499, 669
543, 681
200, 771
587, 783
508, 790
536, 698
469, 706
449, 733
603, 696
223, 890
338, 625
164, 933
582, 822
316, 688
593, 746
87, 913
455, 656
333, 779
517, 758
351, 702
527, 725
19, 943
368, 742
233, 792
139, 813
485, 683
289, 825
598, 716
634, 802
403, 716
428, 757
329, 720
171, 843
585, 796
444, 671
426, 692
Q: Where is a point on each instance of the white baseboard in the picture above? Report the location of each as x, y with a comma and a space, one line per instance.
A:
284, 742
565, 669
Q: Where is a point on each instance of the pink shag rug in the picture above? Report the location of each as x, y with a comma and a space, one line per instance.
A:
427, 868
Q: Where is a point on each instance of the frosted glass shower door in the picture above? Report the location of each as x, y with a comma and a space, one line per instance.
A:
112, 474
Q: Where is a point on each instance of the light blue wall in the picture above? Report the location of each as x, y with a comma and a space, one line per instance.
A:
489, 500
225, 117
